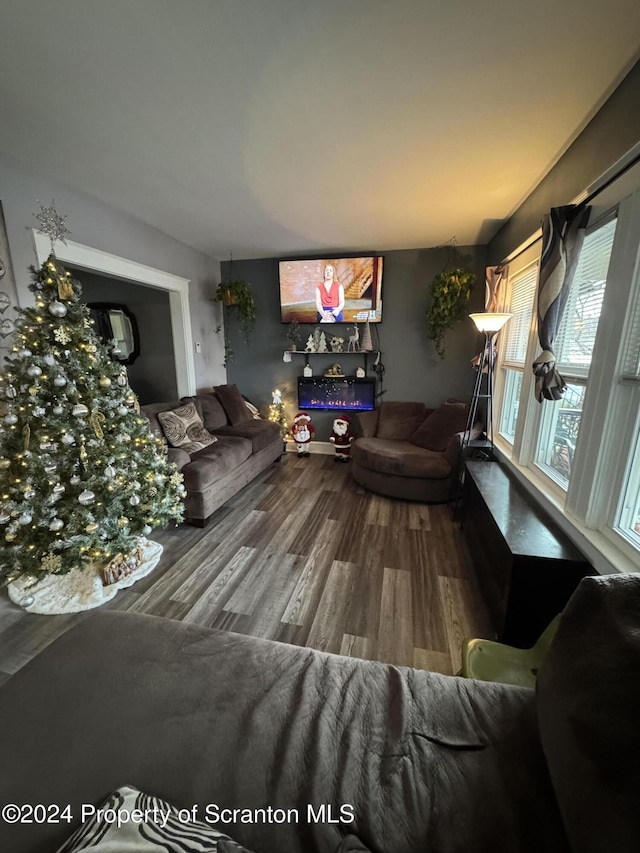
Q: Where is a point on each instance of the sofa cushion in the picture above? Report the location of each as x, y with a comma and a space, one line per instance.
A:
388, 456
215, 461
400, 420
440, 426
213, 415
148, 824
233, 404
260, 433
588, 695
151, 411
183, 428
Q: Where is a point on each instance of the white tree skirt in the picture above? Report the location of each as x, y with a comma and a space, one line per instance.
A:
79, 589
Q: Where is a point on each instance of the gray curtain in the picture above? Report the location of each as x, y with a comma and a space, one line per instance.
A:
563, 232
495, 283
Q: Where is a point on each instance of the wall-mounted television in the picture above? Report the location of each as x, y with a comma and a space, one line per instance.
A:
331, 290
346, 394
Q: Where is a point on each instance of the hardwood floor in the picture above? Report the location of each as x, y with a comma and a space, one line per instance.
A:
305, 556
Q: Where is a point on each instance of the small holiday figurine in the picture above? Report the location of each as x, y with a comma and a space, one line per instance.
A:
341, 438
302, 431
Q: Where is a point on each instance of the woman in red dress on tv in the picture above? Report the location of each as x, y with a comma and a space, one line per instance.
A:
329, 297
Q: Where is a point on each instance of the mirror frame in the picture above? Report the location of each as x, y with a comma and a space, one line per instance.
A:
104, 329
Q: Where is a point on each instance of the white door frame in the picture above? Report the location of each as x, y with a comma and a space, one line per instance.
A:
95, 260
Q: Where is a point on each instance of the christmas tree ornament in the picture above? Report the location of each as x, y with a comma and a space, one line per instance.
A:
10, 535
53, 225
4, 463
4, 518
104, 382
91, 528
74, 480
110, 472
29, 494
49, 360
57, 410
146, 530
67, 439
10, 392
86, 497
134, 500
57, 309
59, 381
27, 601
122, 380
56, 524
122, 410
123, 521
25, 518
33, 370
58, 489
24, 353
50, 468
79, 410
39, 411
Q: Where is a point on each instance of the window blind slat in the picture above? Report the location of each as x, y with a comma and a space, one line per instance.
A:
577, 334
516, 332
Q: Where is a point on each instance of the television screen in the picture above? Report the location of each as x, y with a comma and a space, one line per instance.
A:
348, 393
331, 290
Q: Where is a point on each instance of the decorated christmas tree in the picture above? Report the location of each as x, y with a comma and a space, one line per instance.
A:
82, 478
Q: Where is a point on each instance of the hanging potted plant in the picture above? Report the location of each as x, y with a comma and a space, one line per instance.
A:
450, 292
239, 307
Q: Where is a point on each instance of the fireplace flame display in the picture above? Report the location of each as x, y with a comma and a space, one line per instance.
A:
347, 394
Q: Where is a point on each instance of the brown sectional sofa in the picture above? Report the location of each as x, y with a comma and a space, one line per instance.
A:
244, 447
387, 459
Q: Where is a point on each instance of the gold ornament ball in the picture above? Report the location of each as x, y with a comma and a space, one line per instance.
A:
104, 382
123, 521
9, 536
91, 527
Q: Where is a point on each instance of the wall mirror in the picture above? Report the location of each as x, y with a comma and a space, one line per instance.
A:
116, 327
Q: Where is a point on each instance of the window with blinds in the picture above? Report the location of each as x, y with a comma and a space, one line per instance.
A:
631, 360
577, 334
516, 332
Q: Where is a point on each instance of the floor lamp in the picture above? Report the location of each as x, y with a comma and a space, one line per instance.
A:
490, 324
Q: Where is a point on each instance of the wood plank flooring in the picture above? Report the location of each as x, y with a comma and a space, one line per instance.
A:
305, 556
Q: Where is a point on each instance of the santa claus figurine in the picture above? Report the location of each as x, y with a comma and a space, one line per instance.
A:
302, 431
341, 438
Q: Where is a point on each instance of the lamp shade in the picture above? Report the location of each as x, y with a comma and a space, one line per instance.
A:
490, 321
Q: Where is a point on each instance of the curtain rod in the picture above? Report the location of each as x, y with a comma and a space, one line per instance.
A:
589, 197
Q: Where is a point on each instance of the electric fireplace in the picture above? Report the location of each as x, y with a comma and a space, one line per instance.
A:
346, 394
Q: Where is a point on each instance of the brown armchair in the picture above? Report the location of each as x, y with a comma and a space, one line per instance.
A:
407, 451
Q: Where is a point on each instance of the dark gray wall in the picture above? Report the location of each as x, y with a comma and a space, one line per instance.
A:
413, 370
613, 131
153, 374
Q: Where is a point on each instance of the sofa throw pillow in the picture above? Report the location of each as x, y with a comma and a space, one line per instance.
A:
132, 822
233, 404
183, 428
440, 426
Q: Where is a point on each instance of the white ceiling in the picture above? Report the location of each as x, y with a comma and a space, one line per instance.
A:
276, 127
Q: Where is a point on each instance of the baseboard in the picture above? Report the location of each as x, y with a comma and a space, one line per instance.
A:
323, 447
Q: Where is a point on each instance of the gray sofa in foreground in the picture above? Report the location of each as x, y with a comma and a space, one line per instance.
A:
424, 762
244, 447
